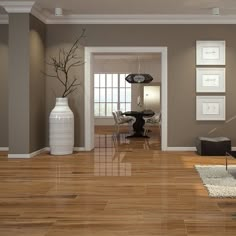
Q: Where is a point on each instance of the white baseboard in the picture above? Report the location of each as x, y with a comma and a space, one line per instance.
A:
79, 149
185, 149
27, 155
4, 149
188, 149
46, 149
76, 149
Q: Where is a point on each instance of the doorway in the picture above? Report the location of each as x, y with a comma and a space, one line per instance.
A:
89, 88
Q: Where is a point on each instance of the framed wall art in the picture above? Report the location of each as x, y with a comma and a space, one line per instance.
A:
210, 108
210, 80
210, 52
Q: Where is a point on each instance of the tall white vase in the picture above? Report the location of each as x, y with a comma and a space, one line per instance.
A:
61, 128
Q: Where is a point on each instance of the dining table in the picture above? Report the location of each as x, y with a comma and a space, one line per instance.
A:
138, 125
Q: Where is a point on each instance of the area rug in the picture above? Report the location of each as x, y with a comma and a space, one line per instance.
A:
218, 181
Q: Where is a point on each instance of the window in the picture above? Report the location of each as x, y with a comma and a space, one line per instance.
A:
111, 92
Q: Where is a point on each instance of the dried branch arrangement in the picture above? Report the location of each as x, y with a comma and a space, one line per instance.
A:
62, 65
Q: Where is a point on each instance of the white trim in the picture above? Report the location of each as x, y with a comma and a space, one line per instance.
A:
4, 149
27, 155
38, 13
164, 99
76, 149
88, 101
141, 19
233, 148
88, 88
18, 155
179, 149
47, 18
35, 11
79, 149
17, 7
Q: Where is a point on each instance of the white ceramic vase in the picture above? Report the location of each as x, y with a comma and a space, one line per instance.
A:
61, 128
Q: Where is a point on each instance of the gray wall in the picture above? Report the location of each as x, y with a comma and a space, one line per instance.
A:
26, 84
3, 86
19, 116
37, 84
180, 40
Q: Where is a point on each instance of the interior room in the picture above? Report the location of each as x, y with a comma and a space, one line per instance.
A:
117, 118
130, 97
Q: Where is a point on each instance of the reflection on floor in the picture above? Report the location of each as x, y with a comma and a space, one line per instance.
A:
107, 138
111, 147
111, 164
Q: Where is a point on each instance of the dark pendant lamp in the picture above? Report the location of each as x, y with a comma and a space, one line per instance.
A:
138, 78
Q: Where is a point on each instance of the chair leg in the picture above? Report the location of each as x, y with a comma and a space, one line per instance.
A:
117, 128
130, 127
145, 131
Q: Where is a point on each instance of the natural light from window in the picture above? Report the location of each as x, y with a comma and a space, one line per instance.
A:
111, 93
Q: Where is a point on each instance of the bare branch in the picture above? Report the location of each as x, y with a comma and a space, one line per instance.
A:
77, 63
58, 77
69, 92
64, 62
53, 76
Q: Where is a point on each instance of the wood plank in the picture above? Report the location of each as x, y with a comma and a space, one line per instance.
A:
122, 187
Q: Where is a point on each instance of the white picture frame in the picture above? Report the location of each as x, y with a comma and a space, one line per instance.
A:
210, 52
210, 80
210, 108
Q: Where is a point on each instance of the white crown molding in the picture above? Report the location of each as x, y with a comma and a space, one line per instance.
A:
141, 19
47, 18
17, 7
39, 13
35, 11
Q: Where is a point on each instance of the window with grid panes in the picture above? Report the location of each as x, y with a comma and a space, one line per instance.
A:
111, 92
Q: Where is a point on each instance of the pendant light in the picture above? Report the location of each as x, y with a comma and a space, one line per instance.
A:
138, 78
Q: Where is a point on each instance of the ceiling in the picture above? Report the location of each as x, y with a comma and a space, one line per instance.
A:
136, 7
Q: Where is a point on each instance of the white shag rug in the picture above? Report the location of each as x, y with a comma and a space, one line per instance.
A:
218, 181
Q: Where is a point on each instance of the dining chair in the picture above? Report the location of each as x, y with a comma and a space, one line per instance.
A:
121, 119
154, 120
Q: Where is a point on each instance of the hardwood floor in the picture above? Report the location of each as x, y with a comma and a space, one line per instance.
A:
123, 187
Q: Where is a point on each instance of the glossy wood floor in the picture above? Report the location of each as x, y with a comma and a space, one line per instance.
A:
123, 187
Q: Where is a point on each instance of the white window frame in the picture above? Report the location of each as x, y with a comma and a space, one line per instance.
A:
118, 99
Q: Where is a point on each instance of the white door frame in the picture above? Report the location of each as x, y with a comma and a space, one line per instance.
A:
89, 90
